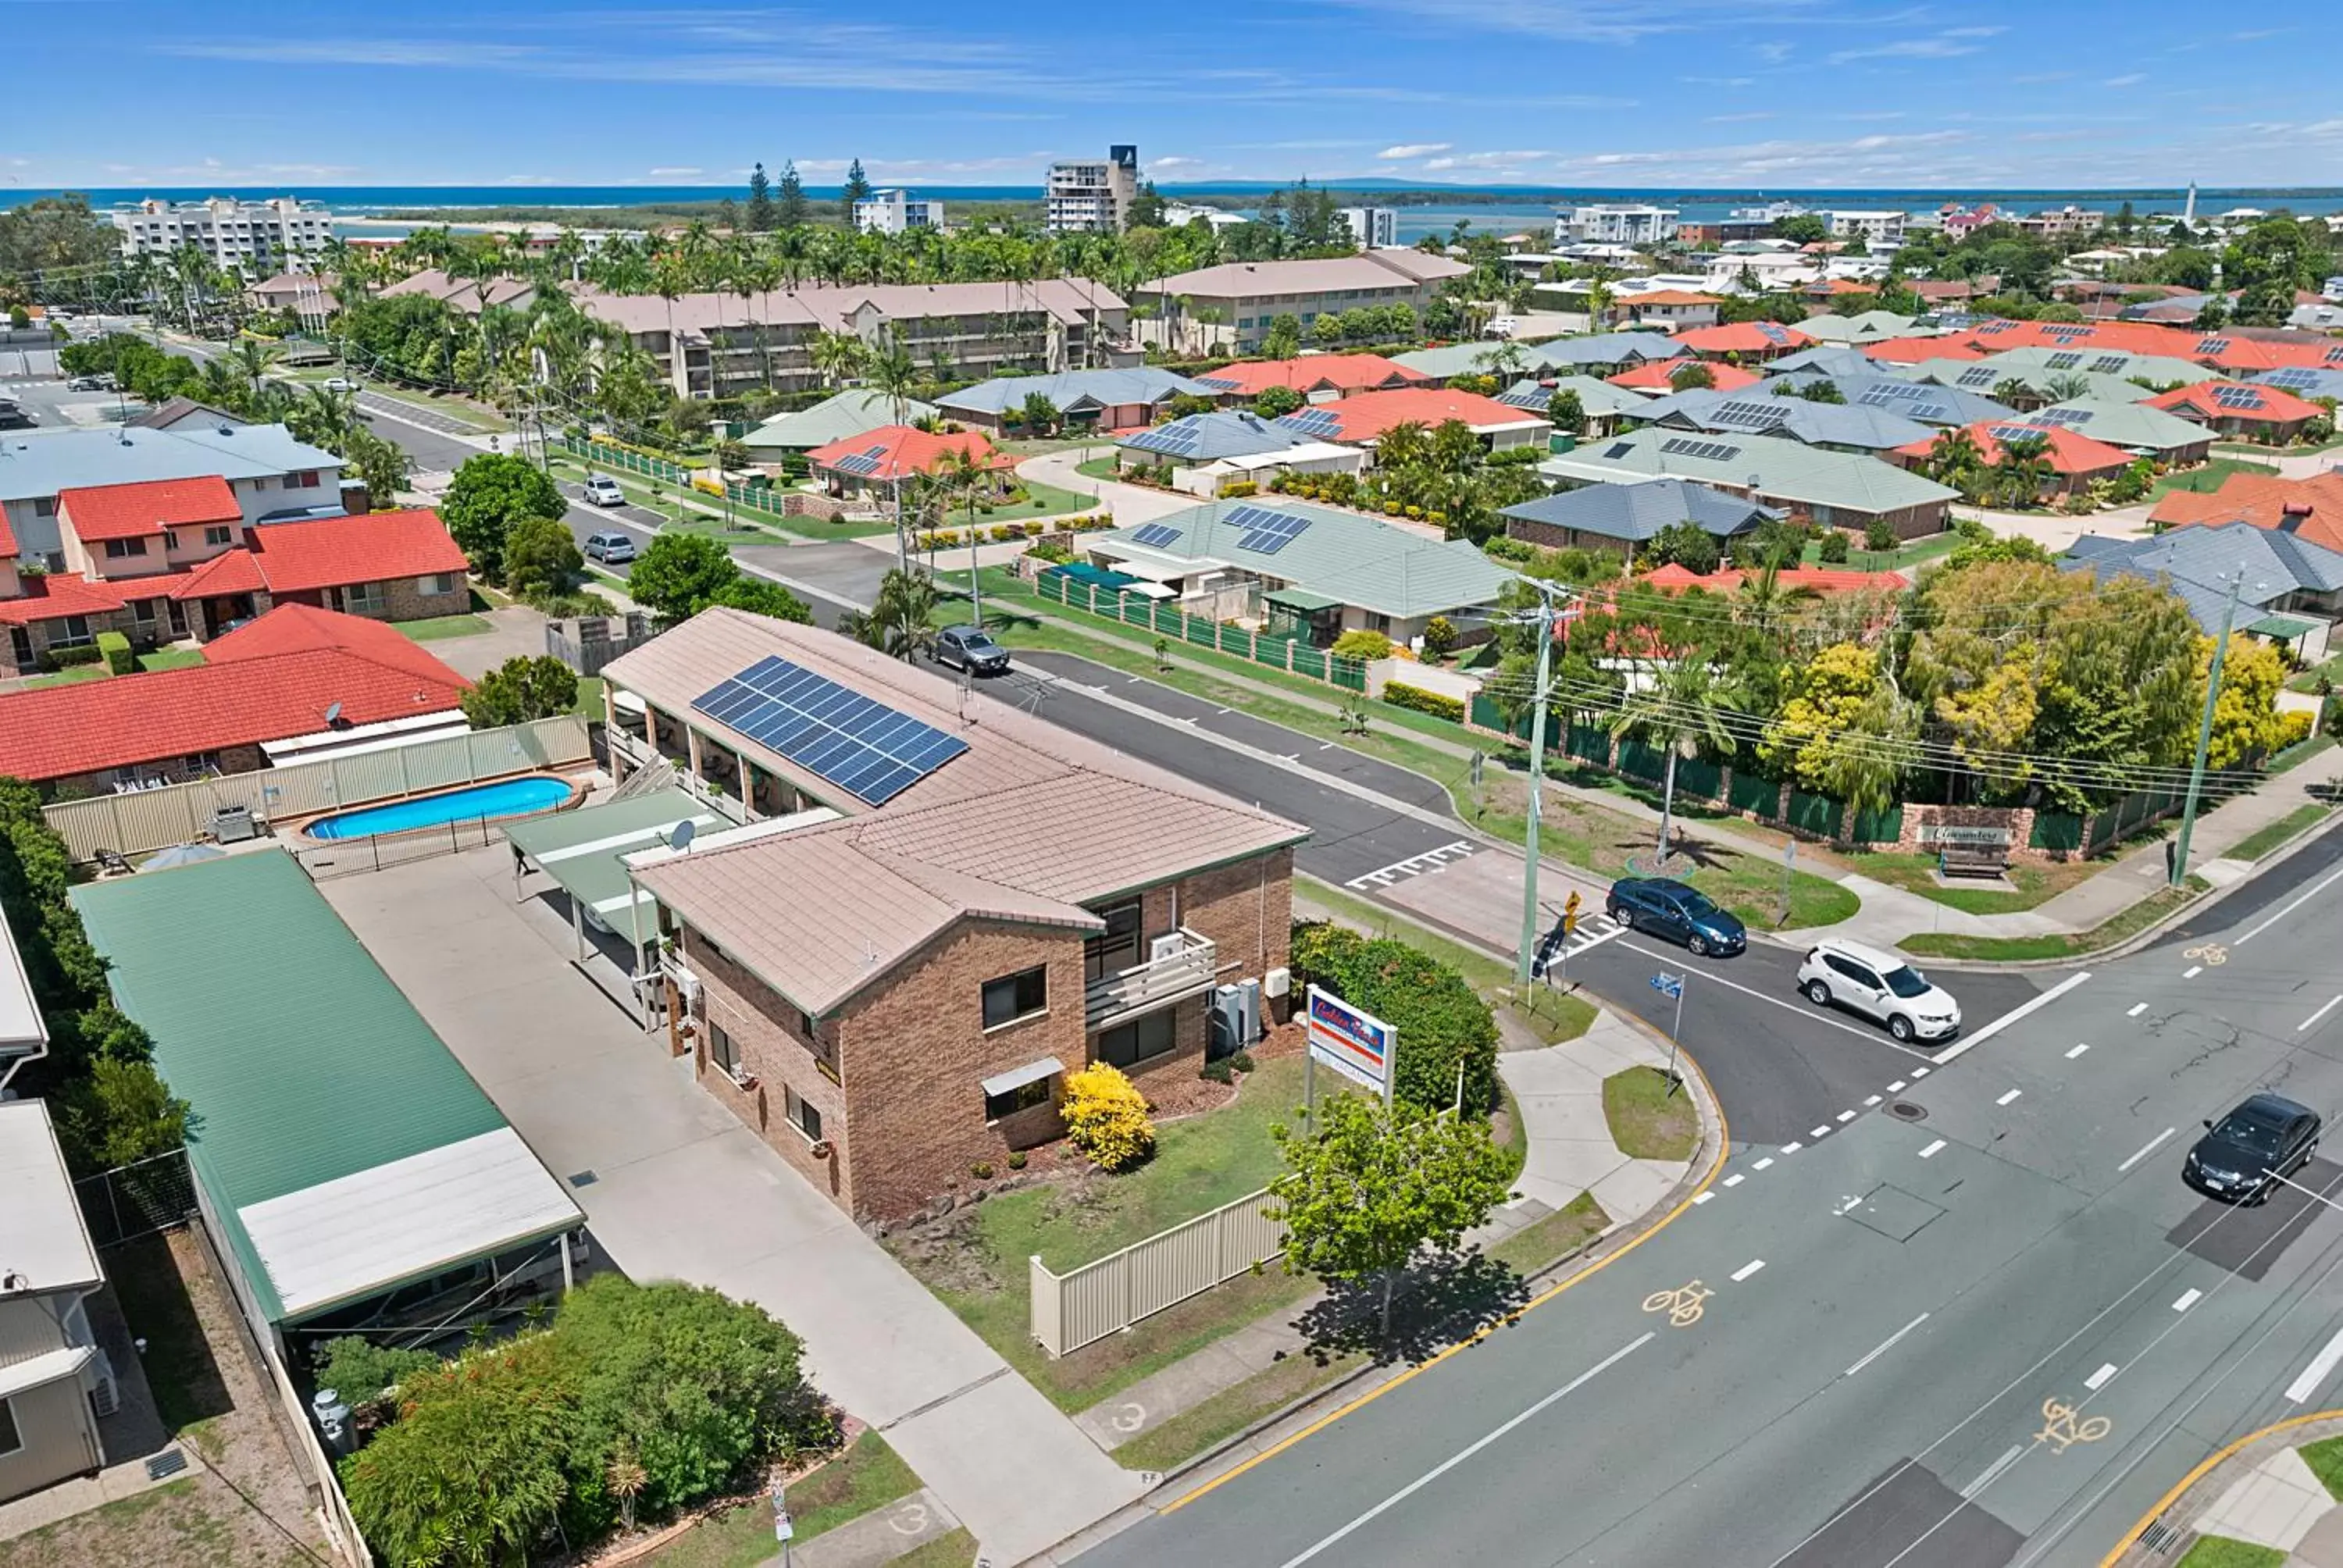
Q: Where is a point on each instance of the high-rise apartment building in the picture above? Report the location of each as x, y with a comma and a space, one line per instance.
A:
261, 237
1373, 227
896, 212
1092, 196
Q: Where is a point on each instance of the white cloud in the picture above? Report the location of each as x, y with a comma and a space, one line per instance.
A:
1415, 149
1174, 161
674, 172
1944, 46
2130, 79
1732, 119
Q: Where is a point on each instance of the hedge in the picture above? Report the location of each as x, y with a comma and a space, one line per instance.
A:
115, 648
69, 657
1414, 696
1440, 1020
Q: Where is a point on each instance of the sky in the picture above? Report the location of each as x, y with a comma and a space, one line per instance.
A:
1717, 94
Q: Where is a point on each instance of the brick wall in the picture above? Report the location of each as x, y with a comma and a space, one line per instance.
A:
84, 786
1247, 908
407, 602
766, 1045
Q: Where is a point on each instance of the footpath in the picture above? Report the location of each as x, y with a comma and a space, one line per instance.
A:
2271, 1499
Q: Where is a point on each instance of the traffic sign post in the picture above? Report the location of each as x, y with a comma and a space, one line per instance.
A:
1669, 985
784, 1529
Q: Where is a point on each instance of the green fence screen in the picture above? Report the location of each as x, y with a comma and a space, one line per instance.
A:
1815, 814
1751, 793
1697, 775
1169, 621
1878, 827
2055, 831
1640, 762
1589, 744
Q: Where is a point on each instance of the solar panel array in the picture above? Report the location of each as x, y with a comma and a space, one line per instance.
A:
1313, 422
1177, 439
1912, 401
2067, 332
2072, 418
2300, 379
2063, 361
1772, 332
1708, 451
866, 749
2213, 346
2333, 356
1156, 536
866, 461
2016, 432
2245, 398
1982, 376
2110, 364
1536, 397
1264, 532
1744, 415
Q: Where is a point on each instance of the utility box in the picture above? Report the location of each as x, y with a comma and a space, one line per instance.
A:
1235, 1020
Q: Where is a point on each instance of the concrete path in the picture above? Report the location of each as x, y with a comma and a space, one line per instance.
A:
2274, 1504
675, 1187
1560, 1092
877, 1537
1131, 504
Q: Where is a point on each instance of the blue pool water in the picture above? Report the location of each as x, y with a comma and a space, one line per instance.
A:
511, 797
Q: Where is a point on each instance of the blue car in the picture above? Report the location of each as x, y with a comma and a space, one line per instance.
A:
1666, 908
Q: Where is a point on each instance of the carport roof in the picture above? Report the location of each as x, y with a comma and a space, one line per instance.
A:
584, 850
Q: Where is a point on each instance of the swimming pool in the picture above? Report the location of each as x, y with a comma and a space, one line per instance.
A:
507, 798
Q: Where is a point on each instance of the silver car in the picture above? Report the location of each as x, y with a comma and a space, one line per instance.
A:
612, 549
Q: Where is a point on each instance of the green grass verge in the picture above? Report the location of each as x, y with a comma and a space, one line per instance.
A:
1231, 1411
2126, 924
73, 676
1651, 1115
957, 1550
749, 528
588, 705
2220, 1552
170, 658
1098, 468
1041, 501
2300, 752
1554, 1238
2308, 679
2325, 1461
1916, 872
2207, 477
867, 1476
444, 626
1859, 559
2263, 839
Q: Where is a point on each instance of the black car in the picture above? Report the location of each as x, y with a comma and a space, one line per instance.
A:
1667, 908
2240, 1156
971, 648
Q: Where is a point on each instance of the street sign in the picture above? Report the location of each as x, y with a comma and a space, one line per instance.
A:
1357, 1044
1668, 985
1478, 759
1570, 914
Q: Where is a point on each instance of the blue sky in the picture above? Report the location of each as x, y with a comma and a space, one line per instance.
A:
1582, 93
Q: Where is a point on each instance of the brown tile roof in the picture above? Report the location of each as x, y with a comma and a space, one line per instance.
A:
1030, 822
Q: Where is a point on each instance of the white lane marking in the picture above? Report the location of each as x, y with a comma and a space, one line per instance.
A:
1753, 1264
2192, 971
2012, 1016
2317, 887
2315, 1016
1871, 1100
1819, 1132
2098, 1379
1885, 1345
2322, 1364
1702, 1198
1428, 1476
1735, 1179
1792, 1148
1801, 1007
1414, 865
2146, 1152
1992, 1472
2010, 1096
1920, 1073
2137, 1009
1846, 1116
1218, 711
2187, 1300
1762, 1164
1933, 1150
2076, 1051
1896, 1087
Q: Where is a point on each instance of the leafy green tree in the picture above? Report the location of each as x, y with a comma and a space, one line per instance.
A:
762, 595
121, 1112
1688, 545
1275, 402
521, 690
1802, 227
1284, 338
1678, 709
1834, 735
900, 622
1038, 415
359, 1369
1821, 392
1690, 374
1369, 1189
1146, 208
53, 234
1567, 410
678, 575
542, 559
491, 492
383, 466
760, 201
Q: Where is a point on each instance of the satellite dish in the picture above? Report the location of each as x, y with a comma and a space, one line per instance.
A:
678, 837
333, 713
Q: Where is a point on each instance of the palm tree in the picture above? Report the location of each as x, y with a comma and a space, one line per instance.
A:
254, 358
1677, 708
836, 355
899, 622
964, 477
1403, 445
627, 1480
2022, 470
891, 371
1505, 360
1955, 459
1762, 599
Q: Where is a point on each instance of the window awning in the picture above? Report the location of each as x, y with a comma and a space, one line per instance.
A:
2285, 628
1015, 1079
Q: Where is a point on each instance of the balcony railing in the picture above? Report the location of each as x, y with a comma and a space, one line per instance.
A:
1185, 964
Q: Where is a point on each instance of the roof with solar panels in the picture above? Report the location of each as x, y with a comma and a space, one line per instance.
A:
1207, 437
956, 806
1875, 426
898, 451
1873, 387
1344, 555
2259, 403
1365, 417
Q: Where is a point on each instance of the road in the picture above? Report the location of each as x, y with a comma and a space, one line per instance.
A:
1893, 1304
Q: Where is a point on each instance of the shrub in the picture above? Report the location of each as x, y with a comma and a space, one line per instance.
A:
360, 1370
1439, 636
1236, 488
1362, 643
1878, 535
1416, 698
1834, 548
981, 1169
1442, 1022
1106, 1118
115, 648
1033, 530
1242, 1061
1017, 1159
1217, 1072
70, 657
1004, 532
2293, 728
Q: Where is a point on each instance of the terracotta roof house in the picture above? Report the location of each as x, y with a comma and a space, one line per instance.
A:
2073, 457
939, 906
2311, 508
1659, 378
1744, 340
2256, 411
884, 458
1914, 350
262, 684
1085, 399
1340, 374
1361, 420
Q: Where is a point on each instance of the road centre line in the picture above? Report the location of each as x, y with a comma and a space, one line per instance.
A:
2144, 1153
1753, 1264
2137, 1009
2076, 1051
1428, 1476
2317, 1373
2012, 1016
1885, 1345
2192, 971
1933, 1150
1897, 1088
1762, 1164
2315, 1016
1846, 1116
2316, 887
2187, 1300
2010, 1096
2098, 1379
1735, 1179
1920, 1073
1871, 1100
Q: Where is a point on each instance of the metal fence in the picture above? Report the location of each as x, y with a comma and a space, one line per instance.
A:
147, 820
1072, 1309
770, 499
1169, 620
138, 1199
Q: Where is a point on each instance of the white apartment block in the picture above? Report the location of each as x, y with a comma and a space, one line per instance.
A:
1180, 215
896, 212
1616, 224
1870, 227
1092, 194
260, 236
1373, 227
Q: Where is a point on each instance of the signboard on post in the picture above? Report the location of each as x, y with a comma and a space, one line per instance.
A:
1357, 1044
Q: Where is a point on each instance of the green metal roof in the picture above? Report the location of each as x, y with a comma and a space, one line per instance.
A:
302, 1063
849, 413
1303, 599
2285, 628
1783, 470
582, 849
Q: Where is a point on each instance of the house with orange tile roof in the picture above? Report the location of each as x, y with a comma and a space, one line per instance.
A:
1361, 420
2074, 459
1658, 378
940, 905
878, 461
294, 672
2247, 409
1311, 375
2312, 508
1749, 342
1827, 580
1915, 350
1671, 309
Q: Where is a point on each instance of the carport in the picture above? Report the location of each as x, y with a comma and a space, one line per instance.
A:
584, 852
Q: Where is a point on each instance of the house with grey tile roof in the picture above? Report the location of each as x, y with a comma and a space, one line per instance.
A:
1622, 517
1087, 399
1865, 326
2162, 369
1761, 410
1599, 354
2136, 427
1205, 451
937, 906
1837, 489
1986, 377
849, 413
2310, 381
1828, 360
2290, 590
1602, 403
269, 472
1872, 388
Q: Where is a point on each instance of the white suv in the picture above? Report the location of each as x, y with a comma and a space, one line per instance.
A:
1880, 986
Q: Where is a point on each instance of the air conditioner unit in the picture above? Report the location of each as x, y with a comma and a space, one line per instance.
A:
1166, 947
104, 1392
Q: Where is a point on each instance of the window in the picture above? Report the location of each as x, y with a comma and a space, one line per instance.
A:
805, 1027
1141, 1039
1024, 1097
363, 598
1012, 996
117, 550
803, 1117
1378, 622
73, 631
1116, 948
307, 479
439, 583
45, 506
219, 536
721, 1050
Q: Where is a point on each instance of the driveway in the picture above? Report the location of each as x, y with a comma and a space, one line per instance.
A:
675, 1187
1131, 504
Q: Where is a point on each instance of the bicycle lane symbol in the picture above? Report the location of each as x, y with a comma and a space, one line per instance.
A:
2063, 1432
1683, 1305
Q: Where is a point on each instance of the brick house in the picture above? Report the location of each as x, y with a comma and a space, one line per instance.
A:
893, 991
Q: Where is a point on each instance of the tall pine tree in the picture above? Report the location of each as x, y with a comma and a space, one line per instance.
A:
791, 208
760, 201
857, 186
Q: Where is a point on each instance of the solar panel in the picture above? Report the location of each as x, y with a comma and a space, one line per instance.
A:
2110, 364
2295, 380
1156, 536
2016, 432
2237, 397
1536, 397
1176, 440
1707, 451
1313, 422
2333, 356
2063, 361
2071, 418
2066, 332
857, 463
1264, 532
866, 749
1983, 376
2213, 346
1216, 381
1749, 416
1772, 332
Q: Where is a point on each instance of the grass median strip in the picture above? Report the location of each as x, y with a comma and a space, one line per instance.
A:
1556, 1237
1231, 1411
2221, 1552
1651, 1115
2263, 839
956, 1550
2121, 927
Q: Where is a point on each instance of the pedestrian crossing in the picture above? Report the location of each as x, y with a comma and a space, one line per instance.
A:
1414, 866
1555, 951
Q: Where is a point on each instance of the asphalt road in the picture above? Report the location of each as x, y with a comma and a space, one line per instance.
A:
1891, 1306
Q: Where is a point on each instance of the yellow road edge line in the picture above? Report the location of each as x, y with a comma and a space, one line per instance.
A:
1723, 1149
2131, 1536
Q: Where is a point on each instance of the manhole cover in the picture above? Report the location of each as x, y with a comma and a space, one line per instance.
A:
1905, 1110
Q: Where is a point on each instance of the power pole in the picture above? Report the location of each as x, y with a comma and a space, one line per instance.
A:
1527, 956
2205, 732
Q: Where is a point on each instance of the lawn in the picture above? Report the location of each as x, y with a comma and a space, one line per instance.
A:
1041, 501
2262, 840
2325, 1461
1651, 1115
1223, 1415
1916, 872
1902, 556
440, 626
2308, 679
2119, 927
588, 705
1557, 1236
2300, 752
73, 676
868, 1476
170, 658
2207, 477
957, 1550
2220, 1552
1098, 468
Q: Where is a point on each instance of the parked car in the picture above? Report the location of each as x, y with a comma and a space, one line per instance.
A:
2239, 1157
1881, 987
603, 490
611, 548
971, 648
90, 384
1503, 327
340, 384
1667, 908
